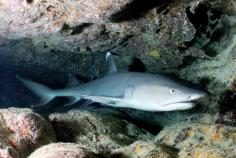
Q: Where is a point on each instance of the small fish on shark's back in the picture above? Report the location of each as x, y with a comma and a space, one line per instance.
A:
143, 91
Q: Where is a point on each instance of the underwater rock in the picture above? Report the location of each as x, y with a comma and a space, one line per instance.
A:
155, 32
164, 35
97, 130
142, 149
41, 17
62, 150
227, 106
22, 131
200, 140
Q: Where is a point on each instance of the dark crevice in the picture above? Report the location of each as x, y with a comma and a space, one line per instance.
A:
79, 29
199, 19
29, 1
227, 107
204, 81
187, 60
67, 29
88, 49
125, 40
104, 33
68, 134
136, 9
210, 28
228, 102
137, 65
210, 51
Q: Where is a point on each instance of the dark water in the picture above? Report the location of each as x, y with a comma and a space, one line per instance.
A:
13, 93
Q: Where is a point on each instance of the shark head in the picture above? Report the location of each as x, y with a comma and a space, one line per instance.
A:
180, 95
164, 93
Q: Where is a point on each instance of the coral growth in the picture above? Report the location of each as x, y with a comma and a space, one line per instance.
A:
22, 131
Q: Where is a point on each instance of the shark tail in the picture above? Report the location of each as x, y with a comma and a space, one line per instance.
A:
46, 94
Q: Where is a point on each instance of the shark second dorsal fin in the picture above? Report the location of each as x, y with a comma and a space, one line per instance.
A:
111, 67
72, 81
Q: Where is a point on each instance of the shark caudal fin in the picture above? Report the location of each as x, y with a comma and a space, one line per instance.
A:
46, 94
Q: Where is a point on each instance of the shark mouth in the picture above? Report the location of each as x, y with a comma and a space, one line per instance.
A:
180, 105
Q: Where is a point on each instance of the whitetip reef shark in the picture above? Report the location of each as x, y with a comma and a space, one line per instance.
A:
143, 91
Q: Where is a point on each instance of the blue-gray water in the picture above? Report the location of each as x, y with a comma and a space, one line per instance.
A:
13, 93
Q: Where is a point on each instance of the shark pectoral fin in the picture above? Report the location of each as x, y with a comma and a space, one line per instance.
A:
72, 81
72, 100
111, 67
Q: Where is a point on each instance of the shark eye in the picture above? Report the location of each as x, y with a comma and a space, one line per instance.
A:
172, 91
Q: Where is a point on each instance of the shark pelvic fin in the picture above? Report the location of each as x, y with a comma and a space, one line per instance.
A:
72, 100
46, 94
111, 67
72, 81
86, 103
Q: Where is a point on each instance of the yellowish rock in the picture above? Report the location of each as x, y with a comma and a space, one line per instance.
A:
141, 149
155, 54
196, 140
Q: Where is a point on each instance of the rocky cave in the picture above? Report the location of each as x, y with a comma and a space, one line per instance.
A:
45, 40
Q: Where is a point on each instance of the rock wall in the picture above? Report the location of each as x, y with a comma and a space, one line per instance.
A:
69, 35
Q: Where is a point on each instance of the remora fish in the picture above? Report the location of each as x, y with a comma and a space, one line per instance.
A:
149, 92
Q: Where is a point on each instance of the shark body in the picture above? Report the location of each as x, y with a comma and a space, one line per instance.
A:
143, 91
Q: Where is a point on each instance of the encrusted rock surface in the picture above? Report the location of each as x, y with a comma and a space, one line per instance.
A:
142, 149
98, 130
28, 18
200, 140
22, 131
161, 34
62, 150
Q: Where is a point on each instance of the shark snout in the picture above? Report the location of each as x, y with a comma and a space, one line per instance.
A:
197, 96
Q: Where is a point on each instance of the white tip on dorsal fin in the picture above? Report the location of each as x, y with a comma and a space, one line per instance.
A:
111, 67
72, 81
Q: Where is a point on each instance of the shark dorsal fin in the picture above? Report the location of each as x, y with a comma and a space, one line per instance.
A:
72, 81
111, 67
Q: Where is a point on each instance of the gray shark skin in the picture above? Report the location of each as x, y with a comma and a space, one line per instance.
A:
143, 91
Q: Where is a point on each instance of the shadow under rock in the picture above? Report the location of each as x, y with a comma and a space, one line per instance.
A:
136, 9
137, 65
